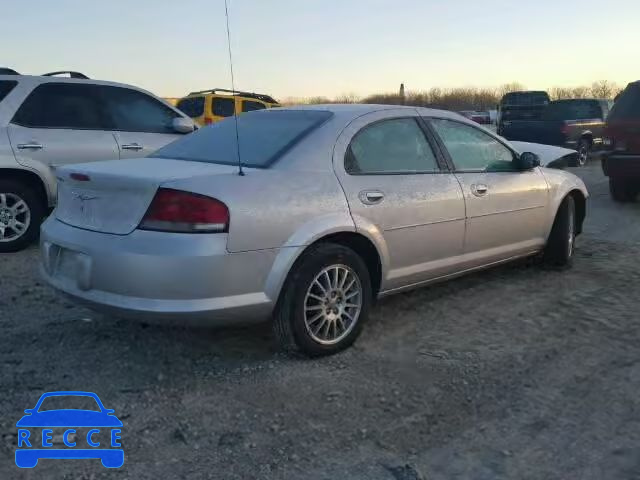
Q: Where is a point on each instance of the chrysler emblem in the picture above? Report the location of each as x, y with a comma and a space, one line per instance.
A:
83, 197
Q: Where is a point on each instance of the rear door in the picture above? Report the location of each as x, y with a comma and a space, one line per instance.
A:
506, 211
59, 124
395, 184
141, 123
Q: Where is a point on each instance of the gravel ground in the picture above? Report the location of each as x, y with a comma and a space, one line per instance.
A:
514, 373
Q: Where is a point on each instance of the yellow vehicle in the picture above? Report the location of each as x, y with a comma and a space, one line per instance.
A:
210, 106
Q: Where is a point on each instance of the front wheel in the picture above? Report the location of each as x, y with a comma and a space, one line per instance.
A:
324, 302
561, 242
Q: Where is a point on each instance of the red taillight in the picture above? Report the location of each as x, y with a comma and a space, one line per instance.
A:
208, 120
178, 211
79, 177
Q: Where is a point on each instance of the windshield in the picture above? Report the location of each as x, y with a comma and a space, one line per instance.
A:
628, 105
69, 402
572, 110
263, 137
525, 99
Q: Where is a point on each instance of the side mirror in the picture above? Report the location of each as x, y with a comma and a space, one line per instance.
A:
183, 125
528, 161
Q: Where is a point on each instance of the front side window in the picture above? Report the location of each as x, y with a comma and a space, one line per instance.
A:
132, 111
249, 106
62, 105
223, 107
391, 146
192, 107
472, 149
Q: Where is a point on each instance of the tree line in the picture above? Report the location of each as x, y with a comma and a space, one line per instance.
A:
464, 98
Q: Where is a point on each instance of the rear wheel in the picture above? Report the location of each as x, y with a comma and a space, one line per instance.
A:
622, 190
324, 302
584, 149
21, 213
561, 242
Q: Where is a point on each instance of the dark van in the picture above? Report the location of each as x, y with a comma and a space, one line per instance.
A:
519, 106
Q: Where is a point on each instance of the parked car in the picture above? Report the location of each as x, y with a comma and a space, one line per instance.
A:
483, 118
336, 205
210, 106
621, 162
576, 123
518, 106
48, 121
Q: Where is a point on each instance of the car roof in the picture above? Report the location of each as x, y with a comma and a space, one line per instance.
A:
48, 79
354, 110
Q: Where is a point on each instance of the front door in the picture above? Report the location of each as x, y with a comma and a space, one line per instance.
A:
396, 185
505, 207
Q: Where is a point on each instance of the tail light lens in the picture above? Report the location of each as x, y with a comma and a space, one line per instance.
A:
185, 212
208, 120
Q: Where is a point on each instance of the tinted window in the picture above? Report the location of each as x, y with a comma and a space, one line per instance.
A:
472, 149
573, 110
61, 105
249, 106
627, 107
391, 146
264, 137
5, 87
223, 107
132, 111
192, 107
525, 98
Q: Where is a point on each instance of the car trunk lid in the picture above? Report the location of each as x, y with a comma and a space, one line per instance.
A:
112, 197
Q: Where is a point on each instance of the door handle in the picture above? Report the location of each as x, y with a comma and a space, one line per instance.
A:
371, 197
479, 189
30, 146
132, 146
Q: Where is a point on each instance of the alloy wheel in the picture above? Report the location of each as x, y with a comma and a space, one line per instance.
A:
15, 217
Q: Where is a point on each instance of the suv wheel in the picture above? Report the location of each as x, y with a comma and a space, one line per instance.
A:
325, 301
21, 213
622, 190
562, 239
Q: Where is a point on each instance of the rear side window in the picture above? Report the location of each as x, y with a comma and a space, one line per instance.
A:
573, 110
132, 111
390, 146
263, 136
223, 107
249, 106
5, 87
61, 105
192, 107
627, 107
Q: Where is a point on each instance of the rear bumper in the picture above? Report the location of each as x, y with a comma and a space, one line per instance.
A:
157, 276
619, 165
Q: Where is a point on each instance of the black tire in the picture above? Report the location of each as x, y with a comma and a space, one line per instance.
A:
622, 190
290, 327
561, 242
36, 213
584, 150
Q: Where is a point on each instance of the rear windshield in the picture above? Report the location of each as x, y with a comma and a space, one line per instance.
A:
573, 110
192, 107
525, 99
628, 105
5, 87
263, 136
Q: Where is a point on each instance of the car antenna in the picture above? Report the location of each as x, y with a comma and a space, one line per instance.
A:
233, 89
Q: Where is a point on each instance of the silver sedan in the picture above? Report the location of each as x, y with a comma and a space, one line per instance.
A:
305, 217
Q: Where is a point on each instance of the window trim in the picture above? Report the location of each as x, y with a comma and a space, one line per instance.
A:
447, 155
440, 159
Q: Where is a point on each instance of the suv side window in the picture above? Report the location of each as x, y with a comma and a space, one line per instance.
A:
249, 106
5, 87
223, 107
192, 107
61, 105
471, 149
133, 111
391, 146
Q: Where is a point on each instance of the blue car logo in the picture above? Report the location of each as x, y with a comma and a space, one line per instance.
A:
36, 431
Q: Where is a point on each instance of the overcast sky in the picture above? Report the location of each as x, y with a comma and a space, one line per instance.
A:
292, 48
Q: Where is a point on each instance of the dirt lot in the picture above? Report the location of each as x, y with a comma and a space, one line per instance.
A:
514, 373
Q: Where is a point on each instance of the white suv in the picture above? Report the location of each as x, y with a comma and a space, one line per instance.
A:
48, 121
